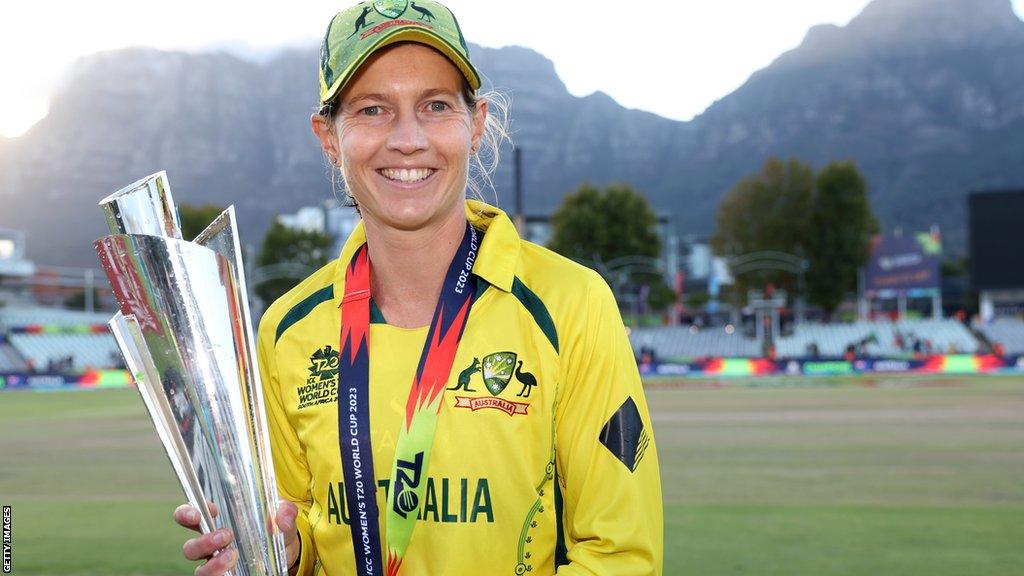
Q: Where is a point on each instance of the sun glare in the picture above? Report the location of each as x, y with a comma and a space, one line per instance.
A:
31, 63
17, 116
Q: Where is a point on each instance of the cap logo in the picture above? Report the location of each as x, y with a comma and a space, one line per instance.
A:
391, 8
359, 24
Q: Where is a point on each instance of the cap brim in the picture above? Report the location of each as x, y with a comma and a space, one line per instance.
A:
402, 34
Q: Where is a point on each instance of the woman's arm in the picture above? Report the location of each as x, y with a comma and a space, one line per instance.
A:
290, 468
606, 458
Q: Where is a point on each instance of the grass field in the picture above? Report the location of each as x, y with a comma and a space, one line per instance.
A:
907, 477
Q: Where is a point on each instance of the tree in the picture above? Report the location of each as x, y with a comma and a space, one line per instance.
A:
597, 226
766, 211
284, 245
842, 225
787, 208
602, 225
195, 219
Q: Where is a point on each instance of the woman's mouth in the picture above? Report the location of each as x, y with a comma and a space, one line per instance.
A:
406, 175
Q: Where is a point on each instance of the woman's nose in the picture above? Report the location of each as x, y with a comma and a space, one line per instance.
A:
407, 135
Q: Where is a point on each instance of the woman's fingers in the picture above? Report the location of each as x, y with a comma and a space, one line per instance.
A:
219, 564
286, 513
188, 516
204, 546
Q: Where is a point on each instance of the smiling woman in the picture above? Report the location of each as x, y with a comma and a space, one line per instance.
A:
389, 459
402, 133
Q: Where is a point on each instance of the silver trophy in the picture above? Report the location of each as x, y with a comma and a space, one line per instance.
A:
185, 332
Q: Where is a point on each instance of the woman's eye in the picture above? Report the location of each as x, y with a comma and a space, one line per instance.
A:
438, 106
370, 111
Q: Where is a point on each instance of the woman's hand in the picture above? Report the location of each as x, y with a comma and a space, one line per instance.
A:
211, 546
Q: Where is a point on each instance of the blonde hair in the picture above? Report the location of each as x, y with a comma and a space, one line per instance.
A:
483, 164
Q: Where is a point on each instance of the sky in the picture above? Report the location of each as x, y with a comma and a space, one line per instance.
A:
673, 58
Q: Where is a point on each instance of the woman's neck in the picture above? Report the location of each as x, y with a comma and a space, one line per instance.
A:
409, 267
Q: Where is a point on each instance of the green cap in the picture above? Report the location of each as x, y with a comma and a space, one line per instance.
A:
357, 32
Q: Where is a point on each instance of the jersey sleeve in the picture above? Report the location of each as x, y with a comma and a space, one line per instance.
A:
290, 468
606, 459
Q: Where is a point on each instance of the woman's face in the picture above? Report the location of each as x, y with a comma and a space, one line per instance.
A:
403, 136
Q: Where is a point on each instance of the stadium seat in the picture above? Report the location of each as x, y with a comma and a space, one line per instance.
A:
10, 318
1009, 332
39, 337
879, 338
86, 350
10, 360
680, 342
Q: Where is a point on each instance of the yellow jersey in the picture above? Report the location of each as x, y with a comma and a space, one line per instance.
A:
544, 459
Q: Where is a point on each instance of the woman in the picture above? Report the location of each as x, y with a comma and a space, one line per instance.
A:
495, 422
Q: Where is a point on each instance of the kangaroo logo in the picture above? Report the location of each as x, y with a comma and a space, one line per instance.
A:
407, 479
424, 13
361, 21
465, 377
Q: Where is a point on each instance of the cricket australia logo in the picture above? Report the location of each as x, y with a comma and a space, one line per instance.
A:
391, 8
496, 370
321, 386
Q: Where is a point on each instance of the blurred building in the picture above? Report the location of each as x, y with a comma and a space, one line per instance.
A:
12, 255
902, 272
332, 218
996, 235
15, 268
308, 219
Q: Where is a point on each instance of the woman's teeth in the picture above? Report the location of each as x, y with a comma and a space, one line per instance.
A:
406, 175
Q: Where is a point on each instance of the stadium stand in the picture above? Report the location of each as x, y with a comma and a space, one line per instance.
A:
884, 339
84, 350
10, 360
880, 338
1007, 332
13, 317
55, 340
681, 342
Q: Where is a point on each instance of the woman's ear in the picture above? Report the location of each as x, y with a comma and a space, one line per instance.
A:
479, 122
324, 132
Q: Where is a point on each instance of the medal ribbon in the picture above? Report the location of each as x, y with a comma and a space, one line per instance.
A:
416, 434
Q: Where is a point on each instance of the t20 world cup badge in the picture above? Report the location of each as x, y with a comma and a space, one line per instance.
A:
185, 332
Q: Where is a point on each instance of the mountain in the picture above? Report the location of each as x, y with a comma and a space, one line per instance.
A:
927, 96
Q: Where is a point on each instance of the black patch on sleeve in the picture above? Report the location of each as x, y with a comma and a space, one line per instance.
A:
624, 435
